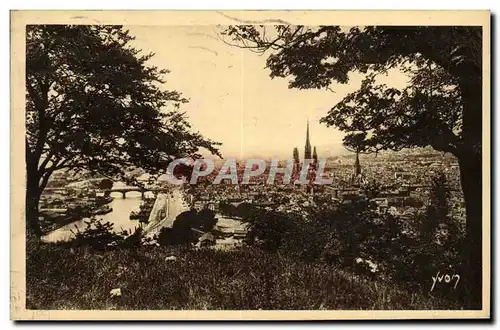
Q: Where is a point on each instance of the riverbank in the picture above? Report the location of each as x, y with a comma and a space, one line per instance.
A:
119, 217
246, 278
56, 211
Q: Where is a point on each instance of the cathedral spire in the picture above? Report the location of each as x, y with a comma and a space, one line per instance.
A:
307, 151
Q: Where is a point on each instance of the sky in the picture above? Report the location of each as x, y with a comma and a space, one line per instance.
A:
233, 100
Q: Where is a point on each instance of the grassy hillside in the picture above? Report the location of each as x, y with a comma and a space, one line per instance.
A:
81, 278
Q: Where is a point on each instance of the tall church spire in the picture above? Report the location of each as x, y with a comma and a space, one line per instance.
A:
307, 151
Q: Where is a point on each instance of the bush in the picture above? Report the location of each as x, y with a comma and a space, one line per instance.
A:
97, 234
355, 235
106, 184
436, 246
267, 227
207, 219
100, 235
181, 232
305, 240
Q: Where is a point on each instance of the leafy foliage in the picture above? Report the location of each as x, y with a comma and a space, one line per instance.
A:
430, 106
97, 234
440, 106
426, 112
100, 235
187, 227
94, 103
403, 251
207, 219
106, 184
267, 227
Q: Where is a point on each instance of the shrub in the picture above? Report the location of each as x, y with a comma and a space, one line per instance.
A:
405, 250
437, 243
97, 234
207, 219
267, 227
181, 232
106, 184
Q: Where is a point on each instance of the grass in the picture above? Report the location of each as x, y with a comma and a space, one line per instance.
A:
81, 278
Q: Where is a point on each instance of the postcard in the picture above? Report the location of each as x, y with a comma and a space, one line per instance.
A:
250, 165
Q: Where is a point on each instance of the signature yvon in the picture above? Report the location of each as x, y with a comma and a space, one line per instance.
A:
446, 278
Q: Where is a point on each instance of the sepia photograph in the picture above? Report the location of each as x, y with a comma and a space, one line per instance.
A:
246, 164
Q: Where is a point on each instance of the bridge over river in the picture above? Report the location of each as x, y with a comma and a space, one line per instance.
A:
168, 205
123, 189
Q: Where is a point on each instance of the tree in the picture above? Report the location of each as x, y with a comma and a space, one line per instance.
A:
440, 235
182, 233
270, 227
207, 219
106, 184
440, 107
227, 209
93, 103
372, 189
245, 210
438, 215
438, 209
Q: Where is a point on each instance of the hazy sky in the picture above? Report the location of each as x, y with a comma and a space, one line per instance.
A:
232, 98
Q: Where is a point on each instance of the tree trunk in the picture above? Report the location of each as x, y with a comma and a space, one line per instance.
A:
470, 161
32, 204
471, 180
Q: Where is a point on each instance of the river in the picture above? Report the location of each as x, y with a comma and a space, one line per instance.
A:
119, 217
165, 210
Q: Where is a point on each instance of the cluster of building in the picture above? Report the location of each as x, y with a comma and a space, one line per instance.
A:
402, 180
70, 201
